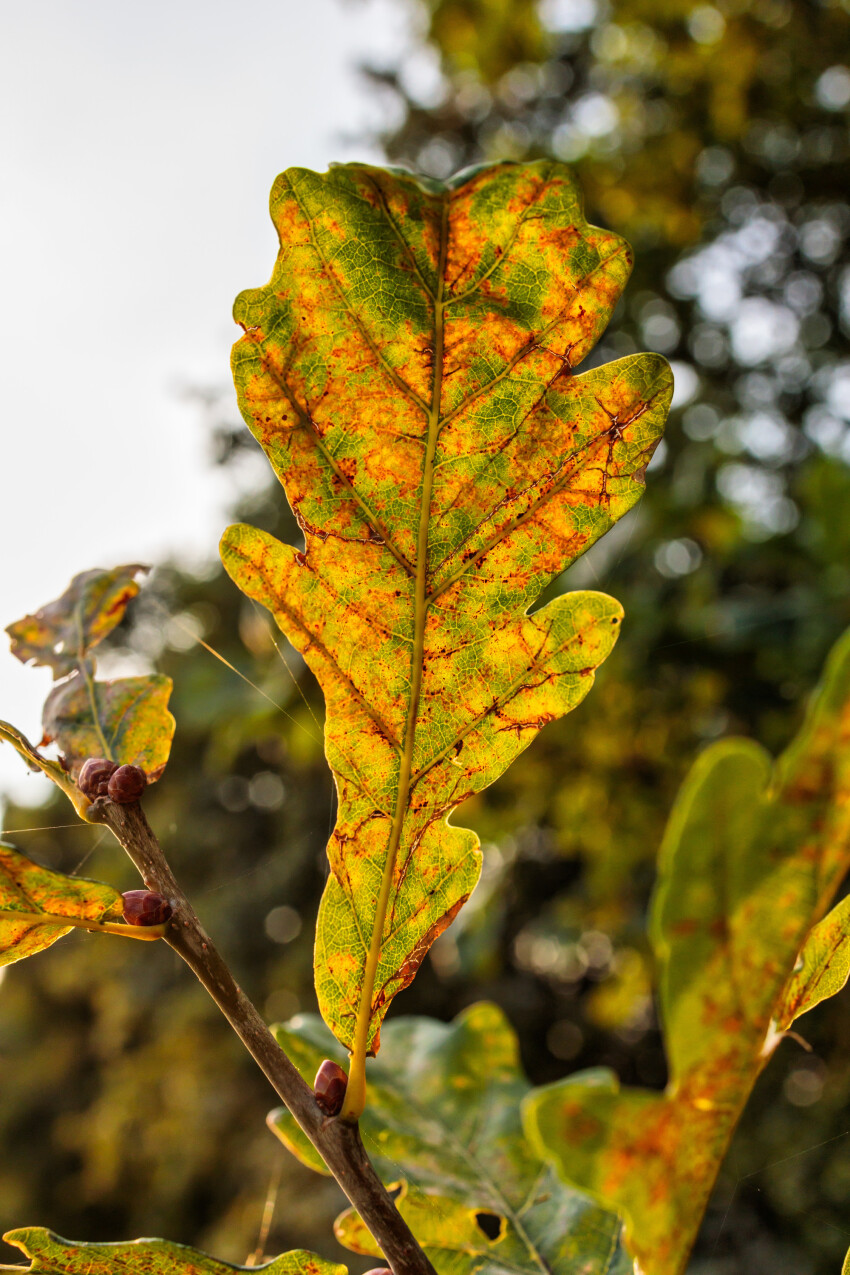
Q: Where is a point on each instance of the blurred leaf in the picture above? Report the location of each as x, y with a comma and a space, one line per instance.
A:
443, 1116
752, 856
62, 633
824, 966
409, 373
27, 887
55, 1256
126, 720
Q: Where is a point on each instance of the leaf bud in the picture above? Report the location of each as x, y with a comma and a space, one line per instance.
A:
145, 907
329, 1087
94, 777
127, 784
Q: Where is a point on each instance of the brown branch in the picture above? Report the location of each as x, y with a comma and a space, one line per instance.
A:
337, 1142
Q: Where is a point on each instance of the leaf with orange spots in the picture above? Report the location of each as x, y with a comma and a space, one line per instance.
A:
27, 890
443, 1122
52, 1255
753, 854
410, 373
823, 966
63, 632
126, 719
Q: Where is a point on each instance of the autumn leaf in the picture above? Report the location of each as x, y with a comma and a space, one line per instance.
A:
409, 372
28, 888
823, 966
62, 633
443, 1121
752, 856
52, 1255
126, 719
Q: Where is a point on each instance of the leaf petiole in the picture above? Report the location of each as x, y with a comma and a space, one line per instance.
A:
147, 933
51, 769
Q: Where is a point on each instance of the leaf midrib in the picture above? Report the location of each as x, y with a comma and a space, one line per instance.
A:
355, 1093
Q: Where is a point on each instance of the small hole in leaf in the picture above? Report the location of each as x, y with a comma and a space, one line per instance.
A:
491, 1224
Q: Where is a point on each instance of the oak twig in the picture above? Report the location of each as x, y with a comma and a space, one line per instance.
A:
338, 1142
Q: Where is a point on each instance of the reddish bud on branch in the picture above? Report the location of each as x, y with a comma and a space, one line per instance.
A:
329, 1087
126, 785
94, 777
146, 907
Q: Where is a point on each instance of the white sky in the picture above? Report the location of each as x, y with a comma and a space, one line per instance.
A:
138, 144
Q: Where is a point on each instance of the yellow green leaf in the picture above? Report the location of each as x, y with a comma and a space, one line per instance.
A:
751, 859
409, 371
823, 966
443, 1120
63, 632
28, 888
52, 1255
126, 720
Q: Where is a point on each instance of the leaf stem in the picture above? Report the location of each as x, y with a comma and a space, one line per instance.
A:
337, 1142
355, 1094
147, 933
86, 674
51, 769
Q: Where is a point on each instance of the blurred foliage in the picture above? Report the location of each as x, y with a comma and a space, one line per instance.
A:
752, 854
715, 137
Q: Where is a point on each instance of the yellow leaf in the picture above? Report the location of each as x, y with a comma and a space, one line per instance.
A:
409, 371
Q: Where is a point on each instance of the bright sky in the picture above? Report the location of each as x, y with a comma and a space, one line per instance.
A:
138, 144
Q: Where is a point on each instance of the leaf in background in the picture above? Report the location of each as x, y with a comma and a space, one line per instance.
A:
409, 373
444, 1116
27, 887
55, 1256
126, 720
751, 859
824, 966
62, 633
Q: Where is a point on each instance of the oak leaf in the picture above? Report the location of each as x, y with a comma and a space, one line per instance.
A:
64, 631
30, 889
752, 856
443, 1126
410, 373
126, 719
52, 1255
